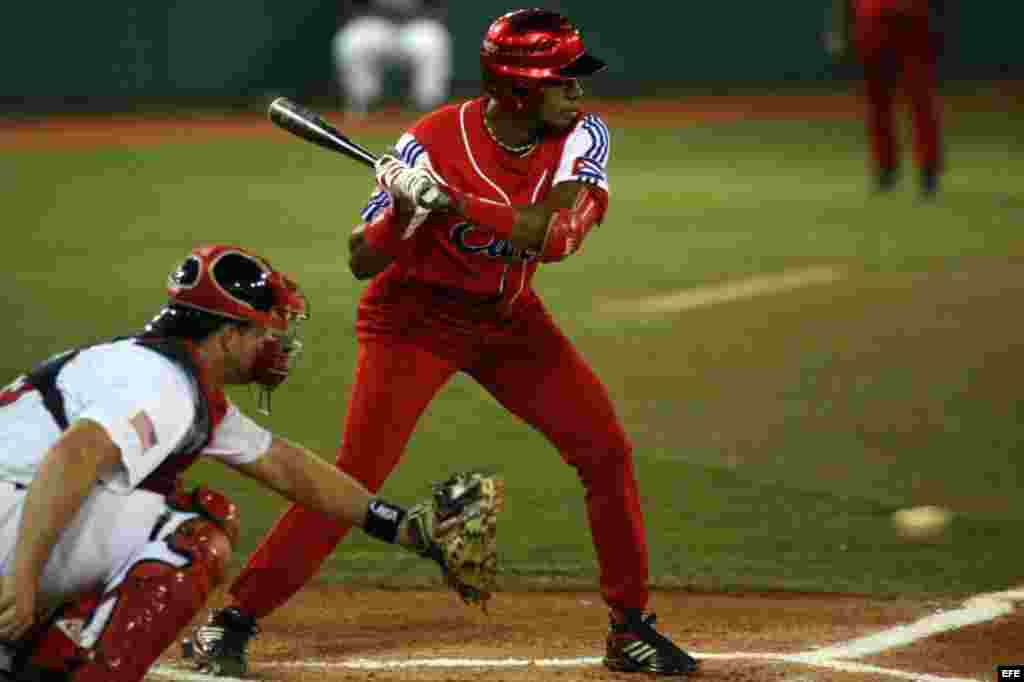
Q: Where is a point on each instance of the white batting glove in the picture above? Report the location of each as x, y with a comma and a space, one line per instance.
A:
418, 186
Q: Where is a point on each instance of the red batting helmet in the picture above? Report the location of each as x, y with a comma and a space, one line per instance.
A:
231, 282
530, 47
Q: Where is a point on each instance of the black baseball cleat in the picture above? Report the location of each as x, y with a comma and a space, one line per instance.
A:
886, 180
634, 646
929, 183
219, 647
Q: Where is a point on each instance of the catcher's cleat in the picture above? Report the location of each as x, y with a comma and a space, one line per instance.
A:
634, 646
219, 647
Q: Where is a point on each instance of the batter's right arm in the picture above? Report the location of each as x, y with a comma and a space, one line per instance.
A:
375, 244
363, 260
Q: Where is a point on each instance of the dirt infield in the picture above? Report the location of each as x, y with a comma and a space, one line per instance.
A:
329, 633
85, 131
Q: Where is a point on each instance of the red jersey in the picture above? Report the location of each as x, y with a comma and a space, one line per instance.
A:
874, 8
447, 251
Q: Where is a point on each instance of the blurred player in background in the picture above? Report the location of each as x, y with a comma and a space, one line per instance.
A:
522, 176
377, 34
897, 42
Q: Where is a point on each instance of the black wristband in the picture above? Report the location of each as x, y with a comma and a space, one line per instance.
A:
382, 520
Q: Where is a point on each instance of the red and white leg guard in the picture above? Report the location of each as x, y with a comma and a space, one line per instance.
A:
117, 635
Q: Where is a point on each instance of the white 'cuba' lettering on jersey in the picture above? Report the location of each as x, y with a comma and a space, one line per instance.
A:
585, 155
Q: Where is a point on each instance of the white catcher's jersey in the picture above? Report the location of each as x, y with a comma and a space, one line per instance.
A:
145, 403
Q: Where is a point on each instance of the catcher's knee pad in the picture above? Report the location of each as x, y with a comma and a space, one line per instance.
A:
116, 636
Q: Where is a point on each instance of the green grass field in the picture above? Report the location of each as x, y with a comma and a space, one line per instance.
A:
774, 436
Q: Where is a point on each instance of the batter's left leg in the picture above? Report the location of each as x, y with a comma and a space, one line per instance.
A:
541, 378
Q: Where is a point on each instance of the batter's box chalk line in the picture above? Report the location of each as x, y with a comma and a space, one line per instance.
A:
978, 609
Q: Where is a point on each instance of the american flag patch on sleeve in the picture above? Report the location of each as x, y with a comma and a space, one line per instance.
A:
143, 426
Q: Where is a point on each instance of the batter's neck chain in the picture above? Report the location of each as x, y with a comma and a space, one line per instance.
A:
518, 150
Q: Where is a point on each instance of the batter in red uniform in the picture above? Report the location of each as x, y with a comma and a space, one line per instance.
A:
897, 43
475, 197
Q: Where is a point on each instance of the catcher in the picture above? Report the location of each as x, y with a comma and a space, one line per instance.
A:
104, 557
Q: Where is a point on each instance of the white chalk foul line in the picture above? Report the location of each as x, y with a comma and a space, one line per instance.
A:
851, 667
175, 673
726, 292
976, 610
979, 609
377, 665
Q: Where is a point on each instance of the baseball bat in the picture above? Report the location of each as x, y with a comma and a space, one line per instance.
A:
311, 127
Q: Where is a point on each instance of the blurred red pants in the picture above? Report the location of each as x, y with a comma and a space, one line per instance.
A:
411, 341
900, 49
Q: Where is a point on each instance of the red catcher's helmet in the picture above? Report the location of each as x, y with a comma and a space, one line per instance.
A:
232, 282
530, 47
235, 283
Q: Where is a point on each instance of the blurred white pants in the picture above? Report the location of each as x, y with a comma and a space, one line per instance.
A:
366, 46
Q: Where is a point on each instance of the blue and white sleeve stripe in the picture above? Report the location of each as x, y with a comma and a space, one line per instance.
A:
598, 133
408, 150
585, 157
378, 201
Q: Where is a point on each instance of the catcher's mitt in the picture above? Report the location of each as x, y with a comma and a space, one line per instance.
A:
456, 527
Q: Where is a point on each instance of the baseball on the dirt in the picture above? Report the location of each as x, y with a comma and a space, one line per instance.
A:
922, 523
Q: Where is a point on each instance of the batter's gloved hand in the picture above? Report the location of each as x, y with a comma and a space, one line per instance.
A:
415, 185
456, 527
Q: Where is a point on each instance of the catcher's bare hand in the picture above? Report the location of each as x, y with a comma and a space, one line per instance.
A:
456, 527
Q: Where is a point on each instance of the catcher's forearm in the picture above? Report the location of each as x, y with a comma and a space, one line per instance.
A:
301, 476
333, 492
317, 485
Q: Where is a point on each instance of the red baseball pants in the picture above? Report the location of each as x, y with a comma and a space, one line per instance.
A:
900, 50
409, 346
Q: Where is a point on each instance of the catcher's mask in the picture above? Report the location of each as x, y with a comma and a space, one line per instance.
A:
233, 283
529, 48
